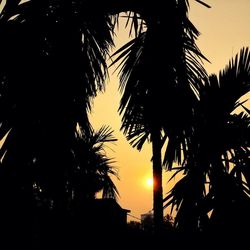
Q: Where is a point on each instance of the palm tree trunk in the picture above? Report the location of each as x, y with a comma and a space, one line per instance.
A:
157, 176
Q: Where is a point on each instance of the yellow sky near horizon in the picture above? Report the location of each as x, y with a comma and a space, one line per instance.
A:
223, 32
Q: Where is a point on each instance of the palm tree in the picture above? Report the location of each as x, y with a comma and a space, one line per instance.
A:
215, 186
150, 86
93, 167
57, 66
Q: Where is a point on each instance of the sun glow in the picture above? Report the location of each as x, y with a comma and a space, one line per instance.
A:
149, 182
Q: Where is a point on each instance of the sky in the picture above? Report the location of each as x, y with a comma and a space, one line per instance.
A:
224, 30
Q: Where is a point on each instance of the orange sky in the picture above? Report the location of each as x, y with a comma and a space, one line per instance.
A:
224, 30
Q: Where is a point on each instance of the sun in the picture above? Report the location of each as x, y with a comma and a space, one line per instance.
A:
149, 182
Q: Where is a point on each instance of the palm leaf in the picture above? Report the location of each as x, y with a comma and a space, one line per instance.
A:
235, 78
246, 109
203, 3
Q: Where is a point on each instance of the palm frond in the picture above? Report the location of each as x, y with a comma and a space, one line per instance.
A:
203, 3
245, 108
177, 171
136, 24
10, 9
234, 80
93, 165
104, 134
109, 189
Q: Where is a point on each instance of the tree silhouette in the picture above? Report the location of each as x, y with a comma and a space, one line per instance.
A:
52, 65
91, 173
155, 76
93, 167
215, 185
